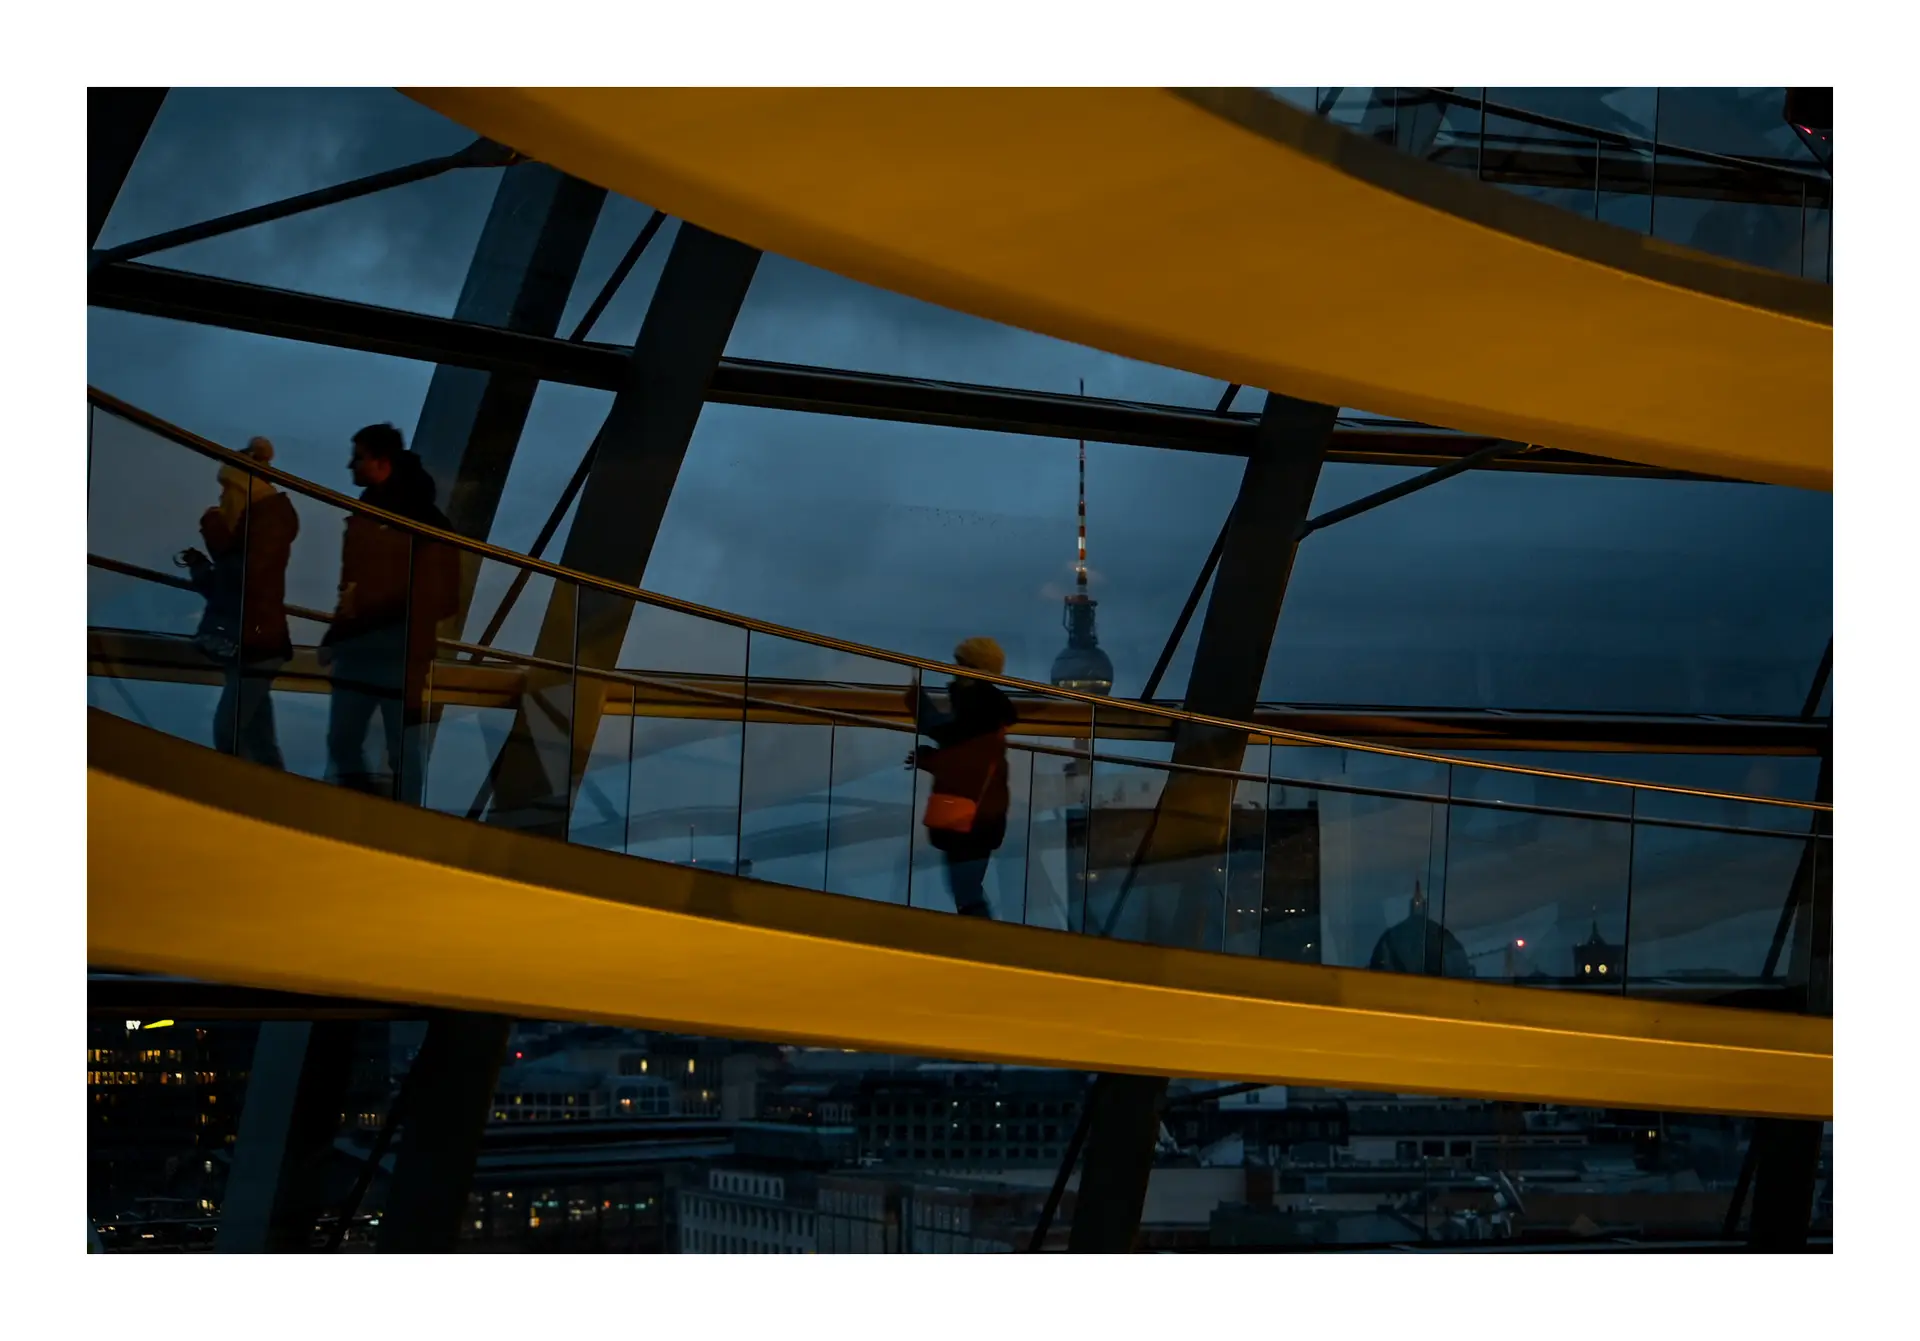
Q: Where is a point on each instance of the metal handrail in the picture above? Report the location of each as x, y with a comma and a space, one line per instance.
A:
332, 498
1601, 135
840, 717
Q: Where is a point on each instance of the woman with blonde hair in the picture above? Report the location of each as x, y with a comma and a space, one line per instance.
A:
966, 815
249, 537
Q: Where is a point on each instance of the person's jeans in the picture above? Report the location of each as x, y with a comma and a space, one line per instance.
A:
243, 719
369, 677
967, 874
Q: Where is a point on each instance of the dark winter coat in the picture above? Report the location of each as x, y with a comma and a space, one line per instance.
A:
249, 591
969, 760
390, 577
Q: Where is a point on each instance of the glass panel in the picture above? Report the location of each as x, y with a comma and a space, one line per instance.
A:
561, 424
1626, 187
795, 313
1125, 894
785, 811
1556, 167
1158, 841
871, 824
215, 151
1748, 217
684, 804
477, 682
1572, 593
229, 385
618, 227
1742, 122
1818, 251
1354, 880
1707, 909
913, 537
1626, 111
1305, 99
532, 772
162, 611
1456, 143
601, 804
1055, 882
1246, 857
1534, 897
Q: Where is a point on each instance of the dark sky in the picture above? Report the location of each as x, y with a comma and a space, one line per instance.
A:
1504, 590
1489, 590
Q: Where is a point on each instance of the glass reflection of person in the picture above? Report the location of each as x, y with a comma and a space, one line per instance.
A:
1418, 944
242, 573
967, 805
394, 591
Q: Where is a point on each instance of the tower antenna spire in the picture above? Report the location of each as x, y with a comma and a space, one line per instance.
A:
1080, 570
1081, 664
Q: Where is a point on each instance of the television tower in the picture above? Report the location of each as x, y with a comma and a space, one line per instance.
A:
1081, 664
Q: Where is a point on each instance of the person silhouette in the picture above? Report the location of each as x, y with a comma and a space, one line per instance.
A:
966, 814
249, 537
395, 588
1417, 944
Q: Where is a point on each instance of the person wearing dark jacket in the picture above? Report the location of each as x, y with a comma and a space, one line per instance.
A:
394, 590
966, 815
243, 574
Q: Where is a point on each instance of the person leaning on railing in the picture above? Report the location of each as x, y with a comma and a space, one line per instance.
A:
966, 815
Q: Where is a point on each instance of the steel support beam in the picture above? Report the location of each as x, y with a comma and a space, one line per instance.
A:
522, 273
1786, 1166
1783, 1158
479, 154
636, 461
296, 1091
118, 120
1121, 1133
283, 314
449, 1099
1175, 866
1484, 456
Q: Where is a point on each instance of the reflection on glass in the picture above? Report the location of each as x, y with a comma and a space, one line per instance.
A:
1246, 857
783, 800
601, 802
1533, 897
531, 787
1752, 217
870, 821
150, 656
684, 794
1055, 877
702, 736
1706, 907
1555, 167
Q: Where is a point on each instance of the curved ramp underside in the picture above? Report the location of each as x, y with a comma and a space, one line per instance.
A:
208, 867
1225, 233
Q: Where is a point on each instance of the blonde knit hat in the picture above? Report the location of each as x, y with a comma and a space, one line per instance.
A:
261, 450
981, 654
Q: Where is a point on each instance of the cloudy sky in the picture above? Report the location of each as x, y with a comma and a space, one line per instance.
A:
1495, 590
1489, 590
